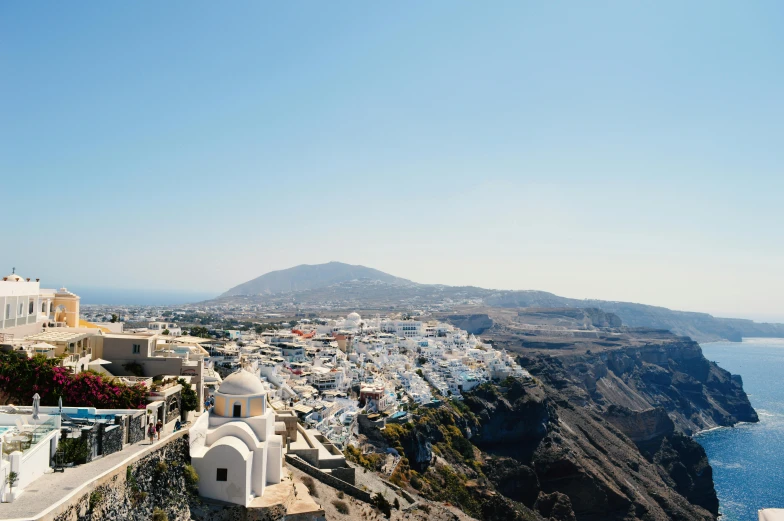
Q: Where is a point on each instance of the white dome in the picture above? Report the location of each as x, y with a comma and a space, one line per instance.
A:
242, 383
353, 317
14, 278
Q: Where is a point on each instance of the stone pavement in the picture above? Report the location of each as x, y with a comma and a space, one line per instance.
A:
50, 490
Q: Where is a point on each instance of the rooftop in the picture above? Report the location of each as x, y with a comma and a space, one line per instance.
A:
242, 383
58, 335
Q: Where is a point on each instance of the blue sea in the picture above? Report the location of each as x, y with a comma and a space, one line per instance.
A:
138, 297
748, 460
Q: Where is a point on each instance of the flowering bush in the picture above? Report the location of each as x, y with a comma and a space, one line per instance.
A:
21, 377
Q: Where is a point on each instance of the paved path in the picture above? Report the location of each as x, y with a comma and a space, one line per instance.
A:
50, 490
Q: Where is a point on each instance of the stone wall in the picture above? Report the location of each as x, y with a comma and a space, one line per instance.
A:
329, 479
102, 439
156, 480
136, 428
347, 474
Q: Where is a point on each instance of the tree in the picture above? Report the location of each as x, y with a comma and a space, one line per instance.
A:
165, 332
382, 504
114, 318
190, 400
11, 479
200, 331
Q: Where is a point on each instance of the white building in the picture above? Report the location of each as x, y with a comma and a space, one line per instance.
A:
234, 448
159, 327
404, 328
25, 308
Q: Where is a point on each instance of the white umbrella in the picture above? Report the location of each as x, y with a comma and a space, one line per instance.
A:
43, 345
99, 361
60, 404
36, 405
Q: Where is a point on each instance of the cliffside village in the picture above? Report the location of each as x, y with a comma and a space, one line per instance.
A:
263, 397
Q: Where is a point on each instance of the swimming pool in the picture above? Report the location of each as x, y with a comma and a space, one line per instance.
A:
3, 430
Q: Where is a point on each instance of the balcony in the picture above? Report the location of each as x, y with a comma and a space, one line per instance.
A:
133, 380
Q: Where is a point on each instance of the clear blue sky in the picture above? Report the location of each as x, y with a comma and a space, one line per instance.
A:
617, 150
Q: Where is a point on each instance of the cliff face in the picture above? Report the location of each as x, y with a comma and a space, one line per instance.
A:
672, 375
474, 323
598, 436
557, 447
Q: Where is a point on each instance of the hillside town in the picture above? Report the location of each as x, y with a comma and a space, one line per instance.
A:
269, 392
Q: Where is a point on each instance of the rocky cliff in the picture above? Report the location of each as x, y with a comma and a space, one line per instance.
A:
668, 373
596, 436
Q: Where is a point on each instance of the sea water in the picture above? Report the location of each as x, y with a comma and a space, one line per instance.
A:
748, 459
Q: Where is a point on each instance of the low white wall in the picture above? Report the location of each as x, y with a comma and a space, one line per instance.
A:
37, 460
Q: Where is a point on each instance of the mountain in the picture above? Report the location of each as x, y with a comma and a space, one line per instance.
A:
311, 276
340, 286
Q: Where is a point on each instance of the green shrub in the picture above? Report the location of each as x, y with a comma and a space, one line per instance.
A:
382, 504
74, 450
95, 498
191, 476
463, 446
161, 467
370, 461
159, 515
138, 497
311, 485
341, 506
190, 400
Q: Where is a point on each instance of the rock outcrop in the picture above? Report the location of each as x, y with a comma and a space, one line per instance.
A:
594, 437
669, 374
474, 323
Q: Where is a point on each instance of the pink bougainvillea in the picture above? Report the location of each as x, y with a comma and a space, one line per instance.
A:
21, 377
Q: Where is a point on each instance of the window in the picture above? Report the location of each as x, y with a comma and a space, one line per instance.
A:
21, 309
223, 475
8, 311
137, 349
32, 306
43, 307
237, 410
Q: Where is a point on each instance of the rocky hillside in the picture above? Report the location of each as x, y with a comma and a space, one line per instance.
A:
309, 277
670, 374
340, 286
596, 436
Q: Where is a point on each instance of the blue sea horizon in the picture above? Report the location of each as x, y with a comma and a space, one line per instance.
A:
138, 297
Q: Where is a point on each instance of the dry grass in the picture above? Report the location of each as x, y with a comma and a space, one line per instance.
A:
341, 506
311, 485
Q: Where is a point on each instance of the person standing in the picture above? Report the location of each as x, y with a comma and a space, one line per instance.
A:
159, 428
151, 432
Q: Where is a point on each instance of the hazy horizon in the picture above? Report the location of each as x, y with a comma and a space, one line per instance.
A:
158, 296
613, 151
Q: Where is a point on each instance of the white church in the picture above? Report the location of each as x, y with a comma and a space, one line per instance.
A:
234, 448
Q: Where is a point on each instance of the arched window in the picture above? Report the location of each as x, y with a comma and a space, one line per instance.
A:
43, 307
